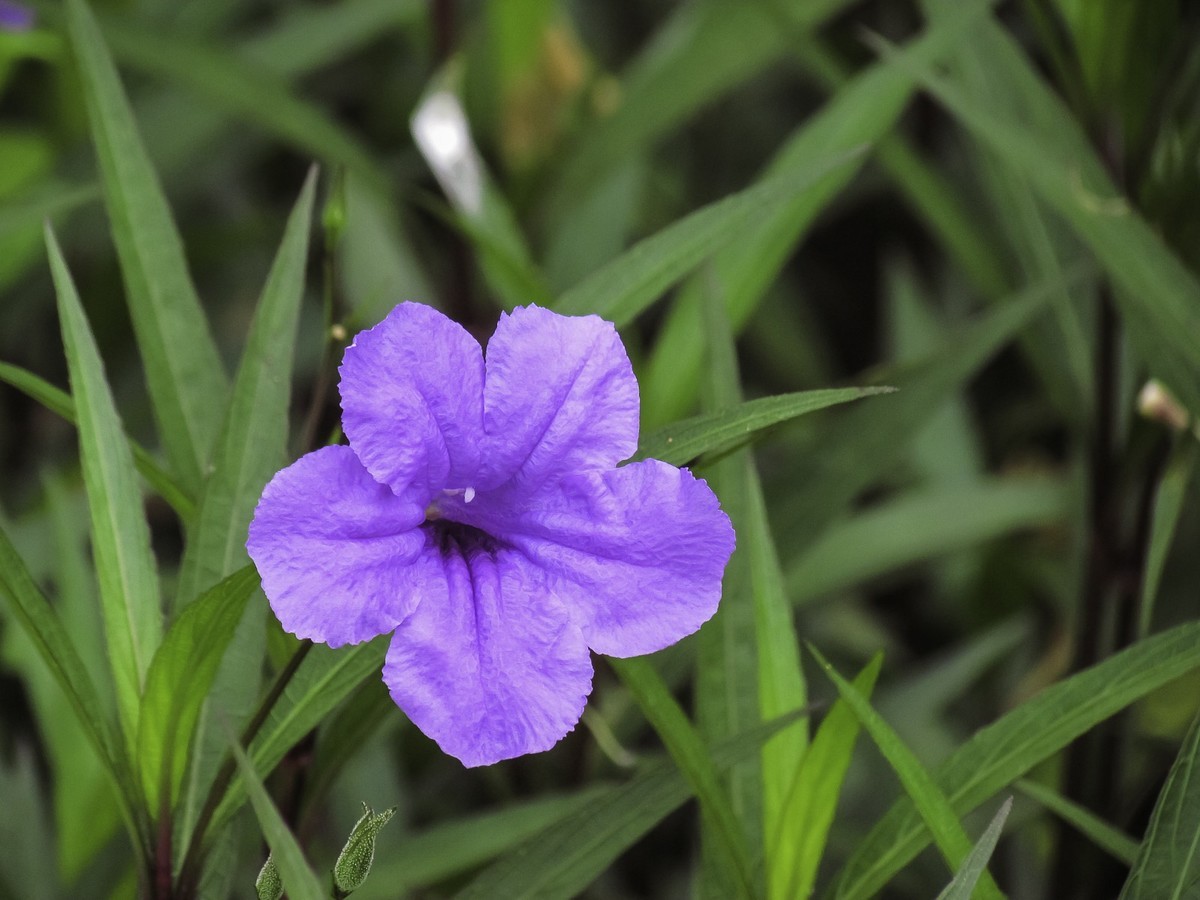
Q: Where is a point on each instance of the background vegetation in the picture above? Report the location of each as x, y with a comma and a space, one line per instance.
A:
992, 207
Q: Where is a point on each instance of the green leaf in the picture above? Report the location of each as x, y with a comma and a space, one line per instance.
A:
716, 432
750, 261
298, 877
120, 537
795, 847
253, 437
685, 747
449, 848
1168, 862
1168, 504
62, 404
183, 370
567, 856
962, 886
935, 809
323, 681
178, 682
34, 614
921, 524
1008, 748
1111, 840
627, 285
1157, 294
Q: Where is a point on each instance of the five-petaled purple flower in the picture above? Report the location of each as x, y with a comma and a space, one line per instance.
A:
480, 514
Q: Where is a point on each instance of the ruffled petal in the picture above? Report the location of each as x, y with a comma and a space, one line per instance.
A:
340, 555
495, 670
412, 400
559, 397
638, 551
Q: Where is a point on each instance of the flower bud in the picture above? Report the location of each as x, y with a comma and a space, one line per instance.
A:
268, 885
354, 862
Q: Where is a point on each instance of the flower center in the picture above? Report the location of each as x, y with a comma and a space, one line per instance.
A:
434, 511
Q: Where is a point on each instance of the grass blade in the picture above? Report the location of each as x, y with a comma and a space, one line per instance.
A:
299, 879
1012, 745
795, 848
1111, 840
564, 859
1168, 504
1168, 863
716, 432
35, 615
935, 809
180, 675
62, 404
627, 285
183, 370
253, 436
120, 536
683, 743
962, 886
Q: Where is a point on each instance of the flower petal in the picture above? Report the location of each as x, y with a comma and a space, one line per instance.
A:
412, 400
496, 669
559, 396
638, 551
340, 555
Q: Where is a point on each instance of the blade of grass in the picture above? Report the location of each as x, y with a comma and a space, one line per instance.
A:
120, 536
685, 747
183, 370
962, 886
62, 404
1112, 840
1012, 745
1168, 505
715, 432
935, 809
180, 676
33, 612
565, 858
300, 881
1168, 862
794, 849
627, 285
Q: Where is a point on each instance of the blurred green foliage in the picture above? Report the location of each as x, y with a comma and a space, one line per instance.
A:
993, 208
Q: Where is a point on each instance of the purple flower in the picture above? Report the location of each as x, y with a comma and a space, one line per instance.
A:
479, 513
15, 16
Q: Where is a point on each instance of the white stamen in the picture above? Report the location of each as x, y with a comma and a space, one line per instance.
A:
468, 495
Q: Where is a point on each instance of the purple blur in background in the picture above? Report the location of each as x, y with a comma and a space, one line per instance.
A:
15, 16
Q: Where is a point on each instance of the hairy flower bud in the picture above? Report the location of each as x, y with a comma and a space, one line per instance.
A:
354, 862
268, 885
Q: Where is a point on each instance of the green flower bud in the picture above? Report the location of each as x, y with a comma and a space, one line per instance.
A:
268, 885
354, 862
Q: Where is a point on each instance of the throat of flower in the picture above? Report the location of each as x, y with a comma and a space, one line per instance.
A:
434, 511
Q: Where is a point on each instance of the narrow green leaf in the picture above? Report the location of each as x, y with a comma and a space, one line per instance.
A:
716, 432
1008, 748
630, 283
1108, 838
922, 524
183, 370
1168, 504
33, 613
62, 404
1168, 862
1157, 294
299, 879
180, 676
795, 848
253, 436
935, 809
750, 261
564, 859
120, 535
449, 848
962, 886
685, 747
323, 681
